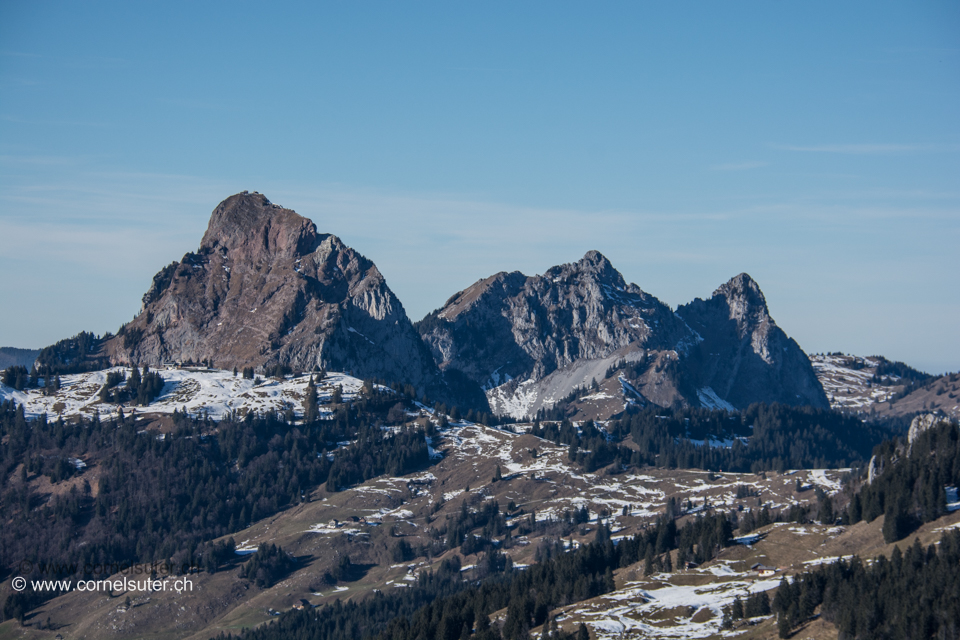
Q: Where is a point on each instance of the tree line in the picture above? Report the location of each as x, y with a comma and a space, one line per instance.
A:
163, 496
914, 594
909, 489
444, 606
759, 438
141, 388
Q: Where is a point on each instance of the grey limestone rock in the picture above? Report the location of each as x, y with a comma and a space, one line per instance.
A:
530, 341
265, 288
744, 356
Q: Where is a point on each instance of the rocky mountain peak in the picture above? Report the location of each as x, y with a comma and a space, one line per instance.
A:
594, 266
744, 298
250, 224
266, 290
744, 356
595, 262
512, 329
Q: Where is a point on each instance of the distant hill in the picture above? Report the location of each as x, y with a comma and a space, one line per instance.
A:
876, 386
13, 357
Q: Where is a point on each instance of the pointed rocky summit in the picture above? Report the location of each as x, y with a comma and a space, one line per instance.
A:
530, 340
511, 326
533, 341
744, 356
265, 288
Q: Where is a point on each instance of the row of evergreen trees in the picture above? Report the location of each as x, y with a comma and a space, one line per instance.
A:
141, 388
442, 606
78, 354
165, 498
269, 564
18, 378
915, 594
763, 437
909, 490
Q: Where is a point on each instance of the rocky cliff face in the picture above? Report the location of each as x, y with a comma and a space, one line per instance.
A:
511, 326
532, 341
511, 332
266, 288
744, 356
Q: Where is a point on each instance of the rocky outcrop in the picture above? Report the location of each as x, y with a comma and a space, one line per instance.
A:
513, 326
874, 469
744, 356
266, 288
920, 424
530, 340
533, 341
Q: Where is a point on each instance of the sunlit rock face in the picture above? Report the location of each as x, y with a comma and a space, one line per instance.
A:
266, 288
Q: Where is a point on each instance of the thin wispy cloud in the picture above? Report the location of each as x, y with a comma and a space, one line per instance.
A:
54, 123
872, 148
20, 82
738, 166
72, 62
99, 248
484, 69
20, 54
933, 50
124, 226
35, 160
193, 104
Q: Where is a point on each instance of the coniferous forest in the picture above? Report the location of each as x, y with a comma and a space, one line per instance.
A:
761, 438
443, 606
169, 495
915, 594
909, 486
451, 321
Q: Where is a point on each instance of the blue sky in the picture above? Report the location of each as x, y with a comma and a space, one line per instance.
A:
814, 146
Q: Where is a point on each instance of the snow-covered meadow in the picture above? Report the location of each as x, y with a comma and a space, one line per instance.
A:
212, 392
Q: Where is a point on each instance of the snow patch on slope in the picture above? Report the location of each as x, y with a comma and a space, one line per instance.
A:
215, 393
710, 400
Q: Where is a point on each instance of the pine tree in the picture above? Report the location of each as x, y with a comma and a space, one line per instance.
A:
783, 625
310, 408
545, 635
896, 521
826, 511
856, 511
736, 610
133, 382
648, 561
